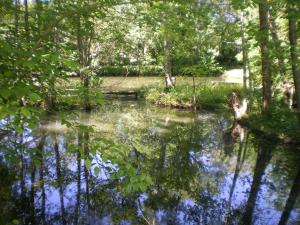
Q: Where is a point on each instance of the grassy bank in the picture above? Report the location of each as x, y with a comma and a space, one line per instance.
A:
280, 124
211, 92
207, 96
136, 83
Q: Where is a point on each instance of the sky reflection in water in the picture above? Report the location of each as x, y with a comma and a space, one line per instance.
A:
205, 170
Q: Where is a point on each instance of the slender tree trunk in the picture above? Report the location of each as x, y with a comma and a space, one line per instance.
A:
167, 63
244, 57
26, 19
167, 52
277, 42
291, 200
86, 90
86, 137
77, 207
250, 83
17, 18
32, 194
194, 93
247, 78
19, 144
84, 60
59, 181
39, 8
294, 54
22, 168
42, 181
238, 167
265, 58
263, 158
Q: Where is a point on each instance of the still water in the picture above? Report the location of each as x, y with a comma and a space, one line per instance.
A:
147, 165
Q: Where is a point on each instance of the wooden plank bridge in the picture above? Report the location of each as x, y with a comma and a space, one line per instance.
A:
73, 91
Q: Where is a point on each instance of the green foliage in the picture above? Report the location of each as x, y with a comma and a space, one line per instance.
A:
209, 69
282, 123
207, 95
74, 96
227, 55
143, 70
43, 45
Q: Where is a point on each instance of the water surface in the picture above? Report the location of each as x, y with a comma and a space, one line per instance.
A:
203, 170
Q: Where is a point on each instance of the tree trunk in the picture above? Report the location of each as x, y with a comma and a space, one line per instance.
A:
86, 140
26, 19
39, 8
84, 60
17, 11
167, 64
244, 57
278, 48
41, 179
247, 74
86, 91
250, 80
263, 158
59, 179
32, 193
265, 58
291, 200
238, 167
194, 93
78, 195
170, 81
239, 109
294, 55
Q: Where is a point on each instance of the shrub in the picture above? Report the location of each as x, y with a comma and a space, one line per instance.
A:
146, 70
154, 70
207, 96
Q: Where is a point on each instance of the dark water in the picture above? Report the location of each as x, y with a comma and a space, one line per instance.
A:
203, 168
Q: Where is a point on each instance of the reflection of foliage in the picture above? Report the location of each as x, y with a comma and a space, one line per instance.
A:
173, 163
7, 179
168, 154
207, 210
284, 168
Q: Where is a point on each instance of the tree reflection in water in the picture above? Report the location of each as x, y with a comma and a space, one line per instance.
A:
200, 169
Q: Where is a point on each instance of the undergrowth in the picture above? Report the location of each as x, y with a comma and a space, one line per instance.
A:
207, 96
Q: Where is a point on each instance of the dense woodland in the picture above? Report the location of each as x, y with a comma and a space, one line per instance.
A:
43, 42
47, 44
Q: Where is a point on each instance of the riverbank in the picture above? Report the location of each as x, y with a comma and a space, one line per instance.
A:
206, 95
209, 94
281, 125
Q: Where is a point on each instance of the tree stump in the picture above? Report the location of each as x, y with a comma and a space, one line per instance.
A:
239, 109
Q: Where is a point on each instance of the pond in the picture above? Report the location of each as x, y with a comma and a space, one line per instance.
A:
142, 164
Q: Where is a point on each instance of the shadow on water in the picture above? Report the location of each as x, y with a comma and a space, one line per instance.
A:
203, 170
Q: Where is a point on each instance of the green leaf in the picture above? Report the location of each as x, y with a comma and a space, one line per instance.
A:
72, 148
87, 163
96, 171
25, 112
19, 129
15, 221
71, 64
34, 97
